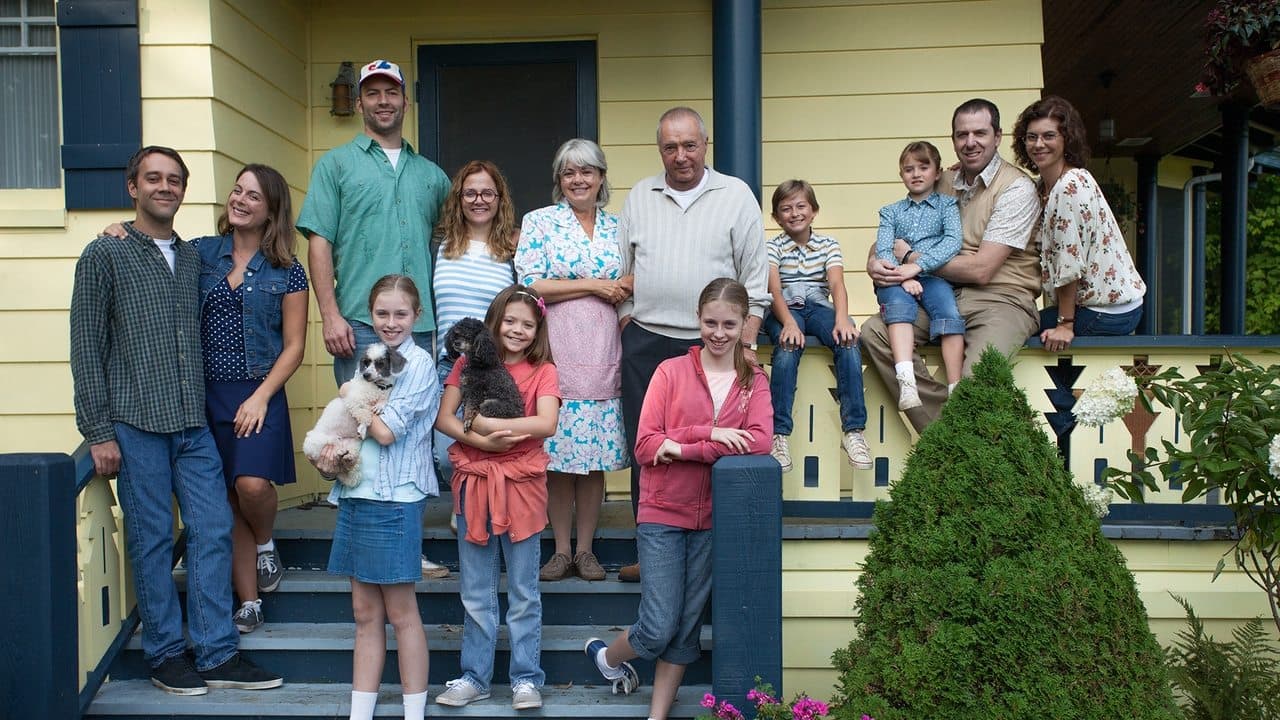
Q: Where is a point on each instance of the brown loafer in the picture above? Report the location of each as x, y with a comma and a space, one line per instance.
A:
588, 566
629, 573
558, 567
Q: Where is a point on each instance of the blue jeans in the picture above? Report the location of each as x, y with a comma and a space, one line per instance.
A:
345, 368
674, 588
439, 441
478, 571
1092, 322
820, 321
938, 300
155, 467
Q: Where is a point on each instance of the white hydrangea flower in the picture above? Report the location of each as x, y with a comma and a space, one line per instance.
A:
1108, 398
1098, 498
1275, 457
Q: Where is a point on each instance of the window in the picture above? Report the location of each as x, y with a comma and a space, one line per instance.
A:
28, 95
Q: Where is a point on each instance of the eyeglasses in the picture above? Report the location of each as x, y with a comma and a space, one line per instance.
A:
1048, 137
486, 195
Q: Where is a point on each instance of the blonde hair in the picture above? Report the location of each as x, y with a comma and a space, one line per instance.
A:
731, 292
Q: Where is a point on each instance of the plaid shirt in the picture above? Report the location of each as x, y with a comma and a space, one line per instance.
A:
135, 337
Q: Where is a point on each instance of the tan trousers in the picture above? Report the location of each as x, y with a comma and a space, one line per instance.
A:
991, 316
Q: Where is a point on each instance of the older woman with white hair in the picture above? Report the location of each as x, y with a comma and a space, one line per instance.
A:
568, 252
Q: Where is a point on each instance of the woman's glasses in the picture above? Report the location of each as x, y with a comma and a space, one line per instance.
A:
486, 195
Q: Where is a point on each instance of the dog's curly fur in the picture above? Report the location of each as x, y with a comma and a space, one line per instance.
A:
346, 418
487, 387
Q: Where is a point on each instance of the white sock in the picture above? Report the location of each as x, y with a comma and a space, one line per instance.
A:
613, 672
951, 387
268, 546
415, 706
904, 368
362, 704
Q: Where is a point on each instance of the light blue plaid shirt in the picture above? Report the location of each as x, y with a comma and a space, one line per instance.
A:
405, 471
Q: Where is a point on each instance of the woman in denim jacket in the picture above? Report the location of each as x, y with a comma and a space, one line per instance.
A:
253, 295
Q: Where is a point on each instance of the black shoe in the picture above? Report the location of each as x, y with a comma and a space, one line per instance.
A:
240, 673
176, 675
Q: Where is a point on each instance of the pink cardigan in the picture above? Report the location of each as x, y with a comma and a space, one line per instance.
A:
678, 406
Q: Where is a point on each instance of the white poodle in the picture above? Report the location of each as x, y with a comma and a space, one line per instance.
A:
346, 418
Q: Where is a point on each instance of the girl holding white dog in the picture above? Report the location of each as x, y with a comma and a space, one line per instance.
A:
500, 501
377, 539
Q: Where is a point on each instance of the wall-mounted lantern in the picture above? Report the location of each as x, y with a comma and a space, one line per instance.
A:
343, 97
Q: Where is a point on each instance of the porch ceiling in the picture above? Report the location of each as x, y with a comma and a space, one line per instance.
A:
1153, 54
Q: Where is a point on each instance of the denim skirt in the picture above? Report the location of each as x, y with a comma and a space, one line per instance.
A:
378, 542
265, 454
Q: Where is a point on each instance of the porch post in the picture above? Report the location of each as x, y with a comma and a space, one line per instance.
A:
1197, 258
1148, 242
735, 88
746, 575
1235, 205
39, 666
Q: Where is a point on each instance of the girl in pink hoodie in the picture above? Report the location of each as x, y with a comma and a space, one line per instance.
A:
699, 407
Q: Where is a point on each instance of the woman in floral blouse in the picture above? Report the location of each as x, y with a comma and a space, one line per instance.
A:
1086, 268
568, 252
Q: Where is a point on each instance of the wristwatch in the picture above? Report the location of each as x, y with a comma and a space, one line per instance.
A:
1064, 320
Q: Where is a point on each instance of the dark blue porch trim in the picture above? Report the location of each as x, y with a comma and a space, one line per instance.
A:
746, 602
735, 89
39, 666
101, 100
1148, 241
1198, 225
1234, 162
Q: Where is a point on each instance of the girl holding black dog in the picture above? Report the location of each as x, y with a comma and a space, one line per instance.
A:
500, 502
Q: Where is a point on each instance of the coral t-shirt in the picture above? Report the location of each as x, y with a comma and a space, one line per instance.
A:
533, 382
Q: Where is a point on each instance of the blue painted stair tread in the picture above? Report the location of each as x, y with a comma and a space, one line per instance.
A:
138, 698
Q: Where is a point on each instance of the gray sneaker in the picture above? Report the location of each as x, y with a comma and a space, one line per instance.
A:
269, 570
524, 696
855, 446
460, 692
249, 617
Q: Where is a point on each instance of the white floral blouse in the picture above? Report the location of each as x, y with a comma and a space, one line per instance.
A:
1080, 240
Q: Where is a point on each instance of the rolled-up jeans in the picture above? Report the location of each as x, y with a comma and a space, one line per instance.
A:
938, 300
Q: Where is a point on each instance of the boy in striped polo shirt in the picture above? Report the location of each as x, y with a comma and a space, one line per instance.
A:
806, 281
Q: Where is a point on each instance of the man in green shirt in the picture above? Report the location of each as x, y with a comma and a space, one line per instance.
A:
370, 210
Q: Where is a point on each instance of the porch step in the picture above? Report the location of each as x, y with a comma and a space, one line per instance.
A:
321, 652
138, 699
308, 595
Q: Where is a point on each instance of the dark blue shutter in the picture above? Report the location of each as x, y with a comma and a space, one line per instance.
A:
101, 99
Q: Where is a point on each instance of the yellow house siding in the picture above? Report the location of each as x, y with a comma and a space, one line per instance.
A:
818, 596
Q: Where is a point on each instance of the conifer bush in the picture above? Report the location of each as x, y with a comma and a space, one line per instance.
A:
989, 590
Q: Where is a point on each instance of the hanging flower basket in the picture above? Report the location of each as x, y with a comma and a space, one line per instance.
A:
1264, 75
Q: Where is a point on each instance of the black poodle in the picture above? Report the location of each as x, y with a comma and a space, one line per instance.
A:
487, 387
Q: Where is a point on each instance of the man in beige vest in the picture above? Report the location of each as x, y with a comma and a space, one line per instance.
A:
997, 273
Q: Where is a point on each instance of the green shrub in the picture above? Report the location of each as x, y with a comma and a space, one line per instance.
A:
1236, 680
989, 591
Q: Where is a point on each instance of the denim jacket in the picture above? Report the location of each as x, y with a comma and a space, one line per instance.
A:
264, 291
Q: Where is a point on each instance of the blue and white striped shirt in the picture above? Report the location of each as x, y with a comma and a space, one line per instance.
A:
464, 287
405, 470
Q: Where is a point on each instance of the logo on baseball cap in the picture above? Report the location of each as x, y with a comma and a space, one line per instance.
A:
381, 67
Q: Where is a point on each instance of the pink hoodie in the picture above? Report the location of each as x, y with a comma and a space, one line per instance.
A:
678, 405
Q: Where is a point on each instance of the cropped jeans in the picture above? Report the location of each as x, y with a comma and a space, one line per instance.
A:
820, 321
154, 468
345, 368
938, 300
479, 568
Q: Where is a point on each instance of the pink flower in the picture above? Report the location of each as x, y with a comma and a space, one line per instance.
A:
708, 700
727, 711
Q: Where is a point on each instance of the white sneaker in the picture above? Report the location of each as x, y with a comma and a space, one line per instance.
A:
855, 446
433, 571
781, 452
524, 696
908, 395
459, 693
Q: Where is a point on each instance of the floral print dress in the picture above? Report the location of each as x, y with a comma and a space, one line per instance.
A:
1080, 240
585, 341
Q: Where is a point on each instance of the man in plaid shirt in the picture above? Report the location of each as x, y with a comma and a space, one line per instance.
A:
139, 397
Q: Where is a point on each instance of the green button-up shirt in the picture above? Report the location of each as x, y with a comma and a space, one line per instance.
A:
379, 220
135, 337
